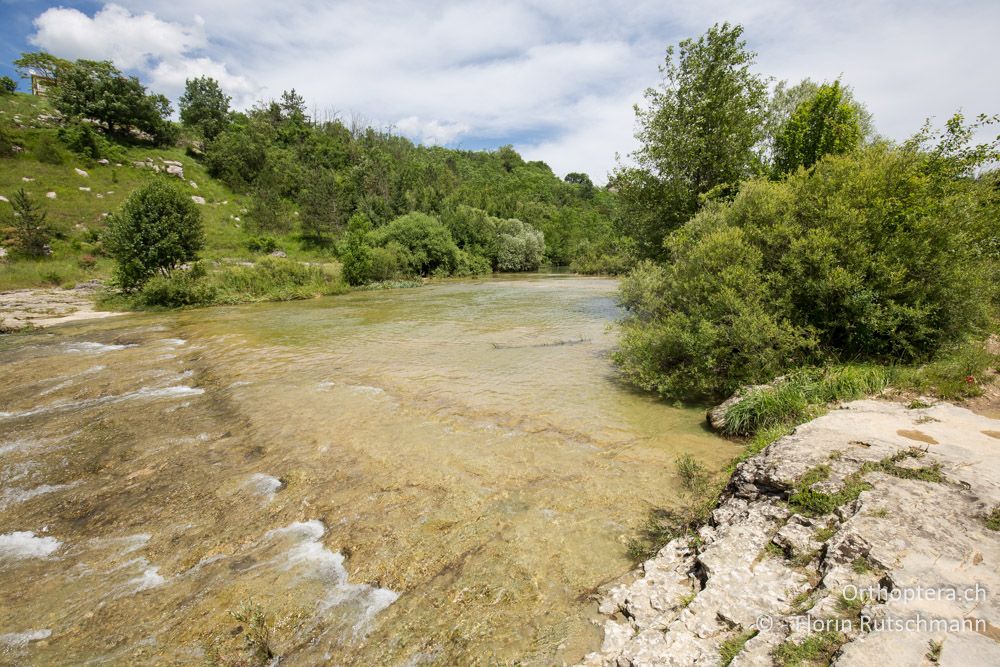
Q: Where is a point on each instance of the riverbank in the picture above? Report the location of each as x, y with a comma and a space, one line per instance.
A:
875, 497
37, 308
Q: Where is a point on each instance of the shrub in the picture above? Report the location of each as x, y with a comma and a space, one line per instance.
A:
427, 241
31, 231
47, 150
157, 229
520, 246
180, 289
87, 142
262, 244
871, 256
273, 279
7, 85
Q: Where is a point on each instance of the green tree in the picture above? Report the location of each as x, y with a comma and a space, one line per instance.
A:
7, 85
823, 124
583, 181
42, 64
323, 207
97, 90
157, 229
204, 106
698, 135
31, 231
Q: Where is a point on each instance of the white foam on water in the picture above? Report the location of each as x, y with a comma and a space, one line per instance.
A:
96, 348
16, 496
365, 389
144, 392
320, 562
20, 445
22, 639
176, 342
69, 379
264, 485
23, 544
150, 578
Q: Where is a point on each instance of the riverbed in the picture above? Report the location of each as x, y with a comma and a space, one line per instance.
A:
441, 475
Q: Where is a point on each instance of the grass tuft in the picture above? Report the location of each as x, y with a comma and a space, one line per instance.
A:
731, 648
817, 649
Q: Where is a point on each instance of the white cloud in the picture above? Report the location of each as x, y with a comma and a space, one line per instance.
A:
162, 51
432, 133
557, 78
114, 33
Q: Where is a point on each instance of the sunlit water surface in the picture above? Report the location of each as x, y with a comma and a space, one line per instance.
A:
439, 475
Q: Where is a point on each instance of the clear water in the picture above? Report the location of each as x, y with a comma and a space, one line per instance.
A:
432, 476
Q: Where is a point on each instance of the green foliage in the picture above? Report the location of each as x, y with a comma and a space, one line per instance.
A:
423, 243
583, 182
881, 254
41, 63
800, 394
324, 206
85, 141
31, 231
177, 290
7, 85
959, 371
519, 246
698, 497
825, 123
99, 91
992, 519
256, 632
697, 135
157, 229
262, 244
47, 150
816, 649
729, 649
270, 279
807, 500
204, 106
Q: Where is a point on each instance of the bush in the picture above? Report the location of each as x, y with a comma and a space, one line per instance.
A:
31, 231
262, 244
520, 247
871, 256
7, 85
273, 279
426, 241
157, 229
180, 289
87, 142
48, 151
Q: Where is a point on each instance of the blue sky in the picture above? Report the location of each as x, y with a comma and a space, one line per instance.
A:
557, 79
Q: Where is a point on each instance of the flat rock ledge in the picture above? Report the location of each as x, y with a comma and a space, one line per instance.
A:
765, 572
27, 308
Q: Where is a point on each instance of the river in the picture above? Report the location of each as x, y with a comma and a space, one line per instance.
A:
441, 475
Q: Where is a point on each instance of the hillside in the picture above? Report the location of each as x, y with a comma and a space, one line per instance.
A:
81, 203
405, 177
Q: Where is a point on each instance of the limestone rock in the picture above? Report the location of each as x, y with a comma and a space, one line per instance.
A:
50, 195
80, 172
176, 170
902, 534
198, 200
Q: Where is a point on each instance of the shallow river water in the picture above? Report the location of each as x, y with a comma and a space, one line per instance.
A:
439, 475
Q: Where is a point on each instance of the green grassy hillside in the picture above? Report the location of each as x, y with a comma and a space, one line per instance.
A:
45, 165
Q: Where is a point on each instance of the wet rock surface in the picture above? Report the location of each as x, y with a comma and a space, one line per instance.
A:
25, 308
903, 570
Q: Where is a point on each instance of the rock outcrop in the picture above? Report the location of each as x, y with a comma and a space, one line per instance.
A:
866, 531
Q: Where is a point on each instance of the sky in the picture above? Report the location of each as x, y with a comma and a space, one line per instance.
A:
554, 78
